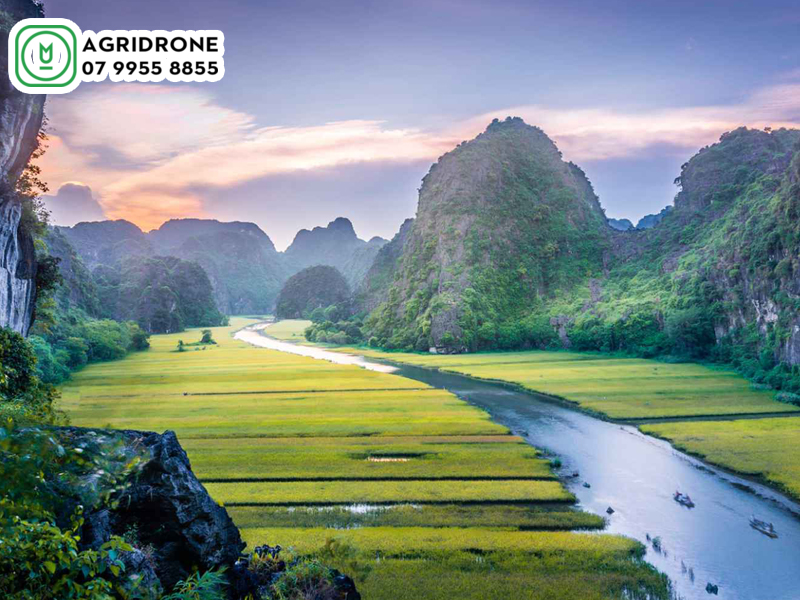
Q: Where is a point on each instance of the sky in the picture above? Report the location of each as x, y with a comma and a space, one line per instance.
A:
339, 108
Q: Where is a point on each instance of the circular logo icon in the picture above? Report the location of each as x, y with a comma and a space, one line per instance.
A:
46, 56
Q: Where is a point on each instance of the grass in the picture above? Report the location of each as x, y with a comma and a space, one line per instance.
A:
522, 576
766, 448
619, 388
387, 492
365, 458
376, 413
288, 330
510, 516
439, 500
441, 564
419, 541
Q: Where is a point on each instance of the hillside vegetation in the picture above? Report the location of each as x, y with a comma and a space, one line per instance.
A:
310, 289
510, 249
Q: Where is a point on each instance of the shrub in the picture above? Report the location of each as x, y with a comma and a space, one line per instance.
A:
208, 586
305, 580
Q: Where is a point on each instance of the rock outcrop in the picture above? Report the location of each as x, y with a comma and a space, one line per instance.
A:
174, 527
503, 224
335, 245
620, 224
20, 121
650, 221
178, 526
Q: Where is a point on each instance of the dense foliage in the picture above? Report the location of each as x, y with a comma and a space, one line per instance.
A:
503, 226
311, 288
507, 252
161, 294
67, 333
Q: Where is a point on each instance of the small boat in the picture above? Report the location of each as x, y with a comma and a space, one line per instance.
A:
683, 499
766, 528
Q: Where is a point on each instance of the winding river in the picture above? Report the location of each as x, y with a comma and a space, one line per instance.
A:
636, 475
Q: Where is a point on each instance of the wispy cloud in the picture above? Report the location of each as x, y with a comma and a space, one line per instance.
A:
151, 152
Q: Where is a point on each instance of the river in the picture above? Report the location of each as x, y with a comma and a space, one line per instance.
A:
636, 475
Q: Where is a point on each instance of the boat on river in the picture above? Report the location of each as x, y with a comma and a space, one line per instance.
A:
683, 499
766, 528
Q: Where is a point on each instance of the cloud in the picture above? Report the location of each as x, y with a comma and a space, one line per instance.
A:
72, 204
604, 133
155, 152
144, 123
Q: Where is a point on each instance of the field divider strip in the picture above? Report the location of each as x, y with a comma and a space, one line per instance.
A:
422, 389
711, 418
377, 435
562, 502
362, 479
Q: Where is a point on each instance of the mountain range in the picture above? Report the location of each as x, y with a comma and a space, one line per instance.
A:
245, 269
510, 248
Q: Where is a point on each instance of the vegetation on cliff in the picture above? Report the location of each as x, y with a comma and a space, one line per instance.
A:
161, 294
310, 289
503, 226
510, 249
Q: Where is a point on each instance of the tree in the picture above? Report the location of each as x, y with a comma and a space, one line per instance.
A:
207, 337
181, 345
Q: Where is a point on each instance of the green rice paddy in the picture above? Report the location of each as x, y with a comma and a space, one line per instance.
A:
435, 498
388, 492
766, 448
639, 389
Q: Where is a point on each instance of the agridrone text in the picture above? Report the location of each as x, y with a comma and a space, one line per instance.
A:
53, 56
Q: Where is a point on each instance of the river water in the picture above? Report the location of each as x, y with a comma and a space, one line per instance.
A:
636, 475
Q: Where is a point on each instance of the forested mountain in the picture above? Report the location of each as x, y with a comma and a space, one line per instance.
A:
503, 225
336, 245
239, 258
511, 249
245, 269
315, 287
162, 294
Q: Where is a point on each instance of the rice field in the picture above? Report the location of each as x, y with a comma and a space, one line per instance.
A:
638, 389
426, 488
634, 389
355, 458
619, 388
309, 493
289, 330
766, 448
539, 517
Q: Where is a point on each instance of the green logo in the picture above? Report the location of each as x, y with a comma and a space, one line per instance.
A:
45, 56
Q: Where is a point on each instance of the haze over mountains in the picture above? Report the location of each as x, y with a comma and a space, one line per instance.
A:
245, 269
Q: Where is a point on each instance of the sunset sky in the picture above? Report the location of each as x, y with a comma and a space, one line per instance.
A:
338, 108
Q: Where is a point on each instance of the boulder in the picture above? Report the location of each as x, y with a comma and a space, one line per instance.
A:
174, 513
164, 511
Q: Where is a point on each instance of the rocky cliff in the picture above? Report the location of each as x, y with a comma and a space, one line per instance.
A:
335, 245
245, 269
503, 224
510, 249
20, 121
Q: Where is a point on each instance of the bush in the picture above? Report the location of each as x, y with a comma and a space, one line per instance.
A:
74, 340
305, 580
18, 362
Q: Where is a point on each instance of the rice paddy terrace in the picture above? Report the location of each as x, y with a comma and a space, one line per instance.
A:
712, 413
429, 496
